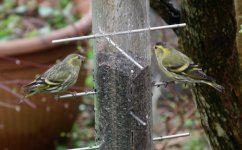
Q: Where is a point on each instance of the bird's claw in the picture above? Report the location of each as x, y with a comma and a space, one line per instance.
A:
165, 83
73, 94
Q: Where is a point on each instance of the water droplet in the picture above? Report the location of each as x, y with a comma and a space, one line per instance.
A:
47, 108
62, 134
74, 135
66, 105
68, 135
17, 108
43, 99
1, 126
17, 61
70, 116
82, 107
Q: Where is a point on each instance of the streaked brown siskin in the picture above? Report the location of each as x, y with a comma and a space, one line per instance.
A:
58, 78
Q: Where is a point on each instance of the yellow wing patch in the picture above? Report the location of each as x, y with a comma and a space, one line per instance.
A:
180, 69
50, 82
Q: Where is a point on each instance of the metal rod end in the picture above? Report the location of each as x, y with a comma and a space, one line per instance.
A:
170, 136
137, 118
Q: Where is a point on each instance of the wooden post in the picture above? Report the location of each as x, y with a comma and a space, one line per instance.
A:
123, 104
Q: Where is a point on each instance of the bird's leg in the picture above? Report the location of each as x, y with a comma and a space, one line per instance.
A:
185, 84
166, 83
74, 93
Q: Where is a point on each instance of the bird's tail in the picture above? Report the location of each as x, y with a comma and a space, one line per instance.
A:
218, 87
29, 90
32, 88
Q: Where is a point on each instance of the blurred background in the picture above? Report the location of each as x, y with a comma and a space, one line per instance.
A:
41, 122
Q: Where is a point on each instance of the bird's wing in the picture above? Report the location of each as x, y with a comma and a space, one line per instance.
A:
44, 82
58, 78
176, 62
197, 74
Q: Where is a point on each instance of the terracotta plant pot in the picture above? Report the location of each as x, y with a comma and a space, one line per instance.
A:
38, 123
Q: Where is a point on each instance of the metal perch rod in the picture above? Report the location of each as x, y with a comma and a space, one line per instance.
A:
170, 136
119, 33
124, 53
77, 94
159, 83
86, 148
165, 83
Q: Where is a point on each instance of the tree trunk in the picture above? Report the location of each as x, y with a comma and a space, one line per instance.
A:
210, 39
238, 5
122, 86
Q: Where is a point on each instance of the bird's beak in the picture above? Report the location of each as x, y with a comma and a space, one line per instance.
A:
153, 48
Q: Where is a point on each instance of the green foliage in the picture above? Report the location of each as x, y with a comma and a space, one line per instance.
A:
61, 147
45, 11
89, 79
8, 4
90, 55
189, 123
198, 143
32, 19
7, 25
82, 136
31, 34
58, 22
63, 3
21, 9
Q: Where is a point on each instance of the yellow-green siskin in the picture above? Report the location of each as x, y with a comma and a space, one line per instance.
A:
178, 67
58, 78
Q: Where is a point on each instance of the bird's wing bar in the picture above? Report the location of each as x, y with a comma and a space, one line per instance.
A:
178, 68
51, 82
38, 80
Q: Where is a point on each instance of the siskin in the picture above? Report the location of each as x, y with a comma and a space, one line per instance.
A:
178, 67
58, 78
